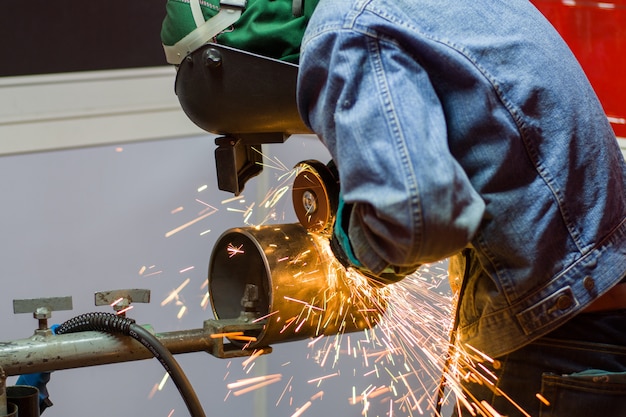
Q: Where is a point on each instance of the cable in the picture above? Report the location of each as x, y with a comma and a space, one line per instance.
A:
111, 323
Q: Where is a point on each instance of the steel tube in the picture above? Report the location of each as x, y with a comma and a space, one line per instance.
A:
75, 350
298, 285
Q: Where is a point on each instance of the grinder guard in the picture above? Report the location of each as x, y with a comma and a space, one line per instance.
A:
247, 98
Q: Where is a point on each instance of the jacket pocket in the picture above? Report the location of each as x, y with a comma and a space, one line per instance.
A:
588, 393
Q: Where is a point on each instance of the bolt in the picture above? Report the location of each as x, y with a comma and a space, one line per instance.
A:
42, 314
122, 306
309, 202
212, 58
250, 297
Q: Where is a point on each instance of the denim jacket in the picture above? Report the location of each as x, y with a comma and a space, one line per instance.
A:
469, 125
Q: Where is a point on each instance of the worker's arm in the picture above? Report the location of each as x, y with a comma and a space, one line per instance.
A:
408, 200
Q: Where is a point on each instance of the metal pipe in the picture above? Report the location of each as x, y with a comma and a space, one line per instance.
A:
290, 277
26, 398
75, 350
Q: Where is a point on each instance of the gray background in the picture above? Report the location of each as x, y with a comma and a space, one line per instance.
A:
79, 221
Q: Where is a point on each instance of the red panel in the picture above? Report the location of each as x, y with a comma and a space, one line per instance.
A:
596, 33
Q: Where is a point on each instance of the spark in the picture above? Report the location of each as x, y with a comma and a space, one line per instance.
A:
266, 382
311, 381
124, 310
302, 409
303, 302
153, 391
230, 200
202, 188
479, 353
190, 223
276, 197
248, 214
265, 316
142, 270
171, 413
279, 165
181, 312
490, 409
229, 334
119, 300
163, 381
176, 210
119, 149
205, 232
249, 381
284, 391
252, 357
312, 342
205, 301
542, 399
174, 294
234, 250
205, 204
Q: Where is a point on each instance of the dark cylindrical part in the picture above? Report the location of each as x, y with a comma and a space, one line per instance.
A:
26, 398
301, 291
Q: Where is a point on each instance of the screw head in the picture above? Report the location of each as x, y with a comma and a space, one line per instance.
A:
42, 313
309, 202
212, 58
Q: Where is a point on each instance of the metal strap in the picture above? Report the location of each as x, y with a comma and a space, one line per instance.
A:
297, 8
229, 13
196, 11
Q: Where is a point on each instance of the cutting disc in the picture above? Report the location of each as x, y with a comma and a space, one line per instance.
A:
315, 193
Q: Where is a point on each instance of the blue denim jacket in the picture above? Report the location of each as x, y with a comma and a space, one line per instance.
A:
470, 125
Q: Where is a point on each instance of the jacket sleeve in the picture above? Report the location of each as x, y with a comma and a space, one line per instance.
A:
377, 112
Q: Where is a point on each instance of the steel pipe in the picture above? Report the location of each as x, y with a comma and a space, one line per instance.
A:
288, 277
75, 350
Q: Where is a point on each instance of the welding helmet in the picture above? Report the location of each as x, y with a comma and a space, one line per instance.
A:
272, 28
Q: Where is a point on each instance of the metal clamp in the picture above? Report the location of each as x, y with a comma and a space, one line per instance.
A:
221, 329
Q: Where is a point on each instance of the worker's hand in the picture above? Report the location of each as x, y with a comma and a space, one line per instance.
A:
342, 249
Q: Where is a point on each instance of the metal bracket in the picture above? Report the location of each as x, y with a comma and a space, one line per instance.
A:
121, 300
42, 309
227, 350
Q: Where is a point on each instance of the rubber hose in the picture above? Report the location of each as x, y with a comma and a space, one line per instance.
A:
112, 323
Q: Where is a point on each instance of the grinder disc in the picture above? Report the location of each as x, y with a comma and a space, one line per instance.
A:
315, 193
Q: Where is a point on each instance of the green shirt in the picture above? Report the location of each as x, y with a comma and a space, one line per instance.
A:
266, 27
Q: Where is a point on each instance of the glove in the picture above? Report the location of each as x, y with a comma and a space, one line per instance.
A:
342, 249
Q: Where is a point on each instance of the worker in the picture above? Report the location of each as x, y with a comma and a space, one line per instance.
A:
467, 130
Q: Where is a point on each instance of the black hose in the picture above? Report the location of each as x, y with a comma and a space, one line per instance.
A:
111, 323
